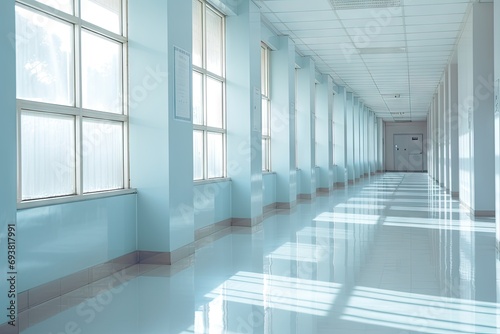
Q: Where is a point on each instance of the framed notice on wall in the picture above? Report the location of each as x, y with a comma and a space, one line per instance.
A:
182, 84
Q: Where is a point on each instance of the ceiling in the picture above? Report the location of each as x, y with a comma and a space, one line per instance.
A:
393, 58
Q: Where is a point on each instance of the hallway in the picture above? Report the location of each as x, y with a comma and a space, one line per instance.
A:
391, 254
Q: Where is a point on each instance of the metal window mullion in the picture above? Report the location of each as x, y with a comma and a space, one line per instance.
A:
19, 158
205, 154
78, 105
43, 9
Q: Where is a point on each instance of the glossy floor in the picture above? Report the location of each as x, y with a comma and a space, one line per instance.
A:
391, 254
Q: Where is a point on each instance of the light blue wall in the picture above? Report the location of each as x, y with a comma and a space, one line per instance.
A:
269, 188
8, 143
339, 110
476, 115
306, 77
58, 240
244, 126
497, 113
324, 134
161, 165
212, 203
350, 136
283, 120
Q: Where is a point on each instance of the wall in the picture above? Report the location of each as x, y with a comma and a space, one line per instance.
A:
402, 128
58, 240
212, 203
268, 188
476, 120
497, 111
8, 145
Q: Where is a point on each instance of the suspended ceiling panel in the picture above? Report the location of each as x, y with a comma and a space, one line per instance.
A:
376, 48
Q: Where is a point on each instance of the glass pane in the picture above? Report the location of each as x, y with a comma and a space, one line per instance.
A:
197, 33
264, 71
265, 117
101, 73
197, 98
198, 155
215, 155
214, 103
214, 42
103, 13
265, 154
47, 155
44, 58
62, 5
102, 155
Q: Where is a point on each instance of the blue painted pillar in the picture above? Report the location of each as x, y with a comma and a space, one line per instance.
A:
305, 128
8, 174
161, 159
350, 137
324, 134
283, 122
340, 136
244, 124
357, 148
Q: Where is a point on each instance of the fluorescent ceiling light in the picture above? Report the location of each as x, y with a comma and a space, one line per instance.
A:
363, 4
374, 51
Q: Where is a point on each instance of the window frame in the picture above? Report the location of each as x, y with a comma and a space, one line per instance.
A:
206, 74
76, 110
266, 98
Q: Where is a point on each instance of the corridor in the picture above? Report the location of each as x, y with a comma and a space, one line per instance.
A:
391, 254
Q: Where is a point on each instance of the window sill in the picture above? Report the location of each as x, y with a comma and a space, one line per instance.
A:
73, 198
268, 172
209, 181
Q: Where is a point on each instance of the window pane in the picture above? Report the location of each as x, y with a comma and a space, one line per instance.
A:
103, 13
197, 33
214, 103
265, 154
265, 117
44, 60
48, 156
102, 154
214, 42
62, 5
198, 154
264, 71
101, 73
215, 155
197, 98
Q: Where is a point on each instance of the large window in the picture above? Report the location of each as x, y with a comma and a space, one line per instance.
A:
266, 108
209, 121
71, 84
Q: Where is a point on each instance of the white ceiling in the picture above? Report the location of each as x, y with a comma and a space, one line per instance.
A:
376, 52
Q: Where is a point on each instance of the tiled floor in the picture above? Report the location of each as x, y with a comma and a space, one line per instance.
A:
392, 254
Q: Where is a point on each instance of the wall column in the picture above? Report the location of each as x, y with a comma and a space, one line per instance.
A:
283, 122
324, 135
339, 110
164, 178
306, 77
8, 167
244, 123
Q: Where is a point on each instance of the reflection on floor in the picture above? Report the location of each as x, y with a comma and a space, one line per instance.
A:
392, 254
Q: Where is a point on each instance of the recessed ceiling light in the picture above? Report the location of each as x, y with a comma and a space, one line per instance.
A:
391, 96
362, 4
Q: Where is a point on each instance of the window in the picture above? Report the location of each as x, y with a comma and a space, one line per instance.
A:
266, 108
71, 84
209, 121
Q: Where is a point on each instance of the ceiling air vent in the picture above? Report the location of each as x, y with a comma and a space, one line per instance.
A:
363, 4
